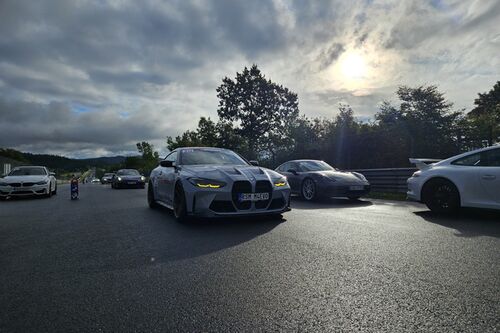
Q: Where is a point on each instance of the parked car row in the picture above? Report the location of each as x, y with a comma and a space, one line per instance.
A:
219, 182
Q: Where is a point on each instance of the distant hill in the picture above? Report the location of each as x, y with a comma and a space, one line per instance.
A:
60, 163
69, 164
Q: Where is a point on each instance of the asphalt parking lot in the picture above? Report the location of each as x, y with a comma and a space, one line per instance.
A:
109, 263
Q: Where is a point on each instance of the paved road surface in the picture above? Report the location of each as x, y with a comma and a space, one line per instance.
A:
109, 263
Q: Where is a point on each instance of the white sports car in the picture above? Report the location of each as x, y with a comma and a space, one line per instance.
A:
28, 180
468, 180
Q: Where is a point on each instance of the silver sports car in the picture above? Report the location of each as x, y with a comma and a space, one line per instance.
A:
212, 182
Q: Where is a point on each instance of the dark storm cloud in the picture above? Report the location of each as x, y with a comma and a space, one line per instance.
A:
330, 55
57, 122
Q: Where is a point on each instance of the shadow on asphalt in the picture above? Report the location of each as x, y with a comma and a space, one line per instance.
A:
300, 203
24, 197
172, 240
468, 222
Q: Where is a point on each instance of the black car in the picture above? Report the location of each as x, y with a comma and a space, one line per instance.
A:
107, 178
313, 179
128, 178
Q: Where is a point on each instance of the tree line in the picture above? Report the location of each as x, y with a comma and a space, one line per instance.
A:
261, 120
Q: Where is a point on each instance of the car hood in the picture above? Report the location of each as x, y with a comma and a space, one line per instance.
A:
229, 172
341, 176
23, 179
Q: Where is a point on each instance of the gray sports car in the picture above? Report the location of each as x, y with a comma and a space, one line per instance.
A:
212, 182
313, 179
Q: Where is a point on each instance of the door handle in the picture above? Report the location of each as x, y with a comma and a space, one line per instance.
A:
489, 177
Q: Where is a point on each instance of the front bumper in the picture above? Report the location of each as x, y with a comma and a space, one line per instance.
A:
344, 190
224, 202
19, 191
130, 183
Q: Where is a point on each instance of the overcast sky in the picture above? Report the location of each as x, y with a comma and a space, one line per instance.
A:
91, 78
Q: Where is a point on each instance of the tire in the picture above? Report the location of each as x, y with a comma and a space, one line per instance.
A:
180, 211
441, 196
151, 197
49, 191
55, 190
308, 190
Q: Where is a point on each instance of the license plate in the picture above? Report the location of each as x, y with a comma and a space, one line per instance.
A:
131, 183
253, 197
356, 188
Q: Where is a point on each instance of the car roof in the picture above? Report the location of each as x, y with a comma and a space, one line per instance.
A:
303, 160
453, 158
200, 148
29, 166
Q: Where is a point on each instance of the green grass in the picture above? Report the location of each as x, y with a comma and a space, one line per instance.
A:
387, 196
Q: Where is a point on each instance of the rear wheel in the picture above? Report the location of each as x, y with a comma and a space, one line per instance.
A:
151, 196
441, 196
308, 190
180, 211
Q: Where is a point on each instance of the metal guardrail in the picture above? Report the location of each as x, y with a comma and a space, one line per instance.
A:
388, 180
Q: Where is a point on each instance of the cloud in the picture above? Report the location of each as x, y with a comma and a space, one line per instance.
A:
78, 77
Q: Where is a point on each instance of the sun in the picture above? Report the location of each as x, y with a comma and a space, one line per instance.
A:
353, 66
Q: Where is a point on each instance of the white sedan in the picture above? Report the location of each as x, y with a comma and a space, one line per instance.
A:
28, 180
468, 180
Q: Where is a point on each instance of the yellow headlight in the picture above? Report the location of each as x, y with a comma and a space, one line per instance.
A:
279, 184
207, 185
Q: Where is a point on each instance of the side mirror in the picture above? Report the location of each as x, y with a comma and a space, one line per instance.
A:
292, 171
254, 162
52, 174
166, 164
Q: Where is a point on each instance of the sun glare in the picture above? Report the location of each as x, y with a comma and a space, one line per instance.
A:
353, 66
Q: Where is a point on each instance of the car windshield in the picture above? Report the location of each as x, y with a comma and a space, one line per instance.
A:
28, 172
128, 172
219, 157
314, 166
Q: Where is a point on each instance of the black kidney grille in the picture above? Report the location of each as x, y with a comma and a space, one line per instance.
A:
241, 186
28, 184
263, 186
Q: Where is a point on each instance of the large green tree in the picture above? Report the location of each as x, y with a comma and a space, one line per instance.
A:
484, 119
424, 119
262, 110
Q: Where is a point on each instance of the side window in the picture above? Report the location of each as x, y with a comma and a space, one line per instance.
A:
491, 158
284, 167
469, 160
172, 157
298, 167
